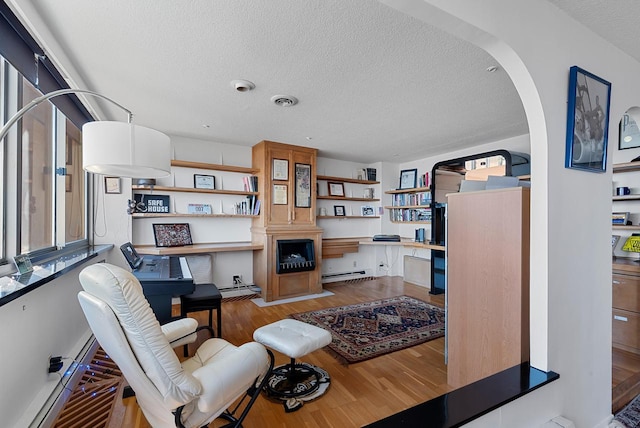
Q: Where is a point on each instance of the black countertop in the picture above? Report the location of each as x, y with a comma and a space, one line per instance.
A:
465, 404
14, 286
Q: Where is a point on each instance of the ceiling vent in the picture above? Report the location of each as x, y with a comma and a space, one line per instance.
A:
284, 100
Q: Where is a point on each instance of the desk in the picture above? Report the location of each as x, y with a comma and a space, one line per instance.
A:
337, 247
217, 247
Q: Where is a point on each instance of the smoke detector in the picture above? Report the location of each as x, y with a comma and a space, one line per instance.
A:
284, 100
242, 85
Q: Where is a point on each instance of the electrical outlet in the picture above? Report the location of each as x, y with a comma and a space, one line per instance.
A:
355, 263
236, 279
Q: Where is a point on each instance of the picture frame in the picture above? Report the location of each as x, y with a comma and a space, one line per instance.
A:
336, 189
23, 263
338, 210
408, 179
280, 169
367, 211
203, 181
111, 185
172, 234
629, 133
303, 185
279, 194
619, 218
587, 121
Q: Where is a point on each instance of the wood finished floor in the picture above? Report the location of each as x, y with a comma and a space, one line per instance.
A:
360, 393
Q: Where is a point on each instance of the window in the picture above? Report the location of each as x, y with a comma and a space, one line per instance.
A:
37, 190
43, 186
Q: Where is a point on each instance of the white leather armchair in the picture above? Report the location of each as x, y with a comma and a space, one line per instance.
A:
191, 394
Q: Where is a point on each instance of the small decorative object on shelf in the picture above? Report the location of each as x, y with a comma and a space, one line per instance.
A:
371, 174
338, 210
23, 263
201, 181
614, 242
620, 219
632, 244
367, 211
151, 204
361, 174
199, 209
408, 178
369, 192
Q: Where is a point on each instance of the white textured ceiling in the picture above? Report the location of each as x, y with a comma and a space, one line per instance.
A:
373, 84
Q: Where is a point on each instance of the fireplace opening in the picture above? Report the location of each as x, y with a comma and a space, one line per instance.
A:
295, 255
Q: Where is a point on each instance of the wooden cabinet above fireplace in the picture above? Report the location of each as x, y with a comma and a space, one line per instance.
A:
287, 184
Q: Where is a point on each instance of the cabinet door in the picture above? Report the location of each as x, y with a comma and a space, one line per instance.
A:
626, 292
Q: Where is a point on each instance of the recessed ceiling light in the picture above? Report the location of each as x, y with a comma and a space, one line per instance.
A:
284, 100
242, 85
492, 68
309, 138
206, 126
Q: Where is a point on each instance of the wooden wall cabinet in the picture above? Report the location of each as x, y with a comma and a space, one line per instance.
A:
287, 212
488, 283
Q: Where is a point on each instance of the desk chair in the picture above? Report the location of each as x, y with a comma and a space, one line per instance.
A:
190, 394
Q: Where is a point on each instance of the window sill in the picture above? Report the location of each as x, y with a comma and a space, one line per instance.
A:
14, 286
470, 402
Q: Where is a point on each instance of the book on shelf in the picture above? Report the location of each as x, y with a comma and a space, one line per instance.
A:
411, 214
418, 198
250, 183
249, 206
423, 180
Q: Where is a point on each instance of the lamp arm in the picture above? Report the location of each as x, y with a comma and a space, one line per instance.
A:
20, 113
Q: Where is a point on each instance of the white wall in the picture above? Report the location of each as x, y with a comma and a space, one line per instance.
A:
570, 259
46, 321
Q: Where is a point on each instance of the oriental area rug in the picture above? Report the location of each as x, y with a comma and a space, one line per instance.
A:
367, 330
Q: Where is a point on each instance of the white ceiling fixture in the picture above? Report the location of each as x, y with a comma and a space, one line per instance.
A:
243, 85
284, 100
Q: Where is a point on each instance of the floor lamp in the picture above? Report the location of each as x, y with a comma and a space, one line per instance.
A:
113, 148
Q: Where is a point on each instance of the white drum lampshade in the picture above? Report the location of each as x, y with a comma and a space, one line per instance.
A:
125, 150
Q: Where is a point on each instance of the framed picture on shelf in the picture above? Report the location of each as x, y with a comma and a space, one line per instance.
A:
587, 121
338, 210
172, 234
336, 189
303, 185
280, 169
619, 219
201, 181
629, 133
367, 211
111, 185
408, 178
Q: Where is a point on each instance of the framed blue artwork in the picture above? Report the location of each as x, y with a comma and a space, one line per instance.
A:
587, 121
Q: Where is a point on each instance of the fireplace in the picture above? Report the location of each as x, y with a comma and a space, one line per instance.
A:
295, 255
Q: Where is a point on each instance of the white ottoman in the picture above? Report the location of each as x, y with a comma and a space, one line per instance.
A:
294, 339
